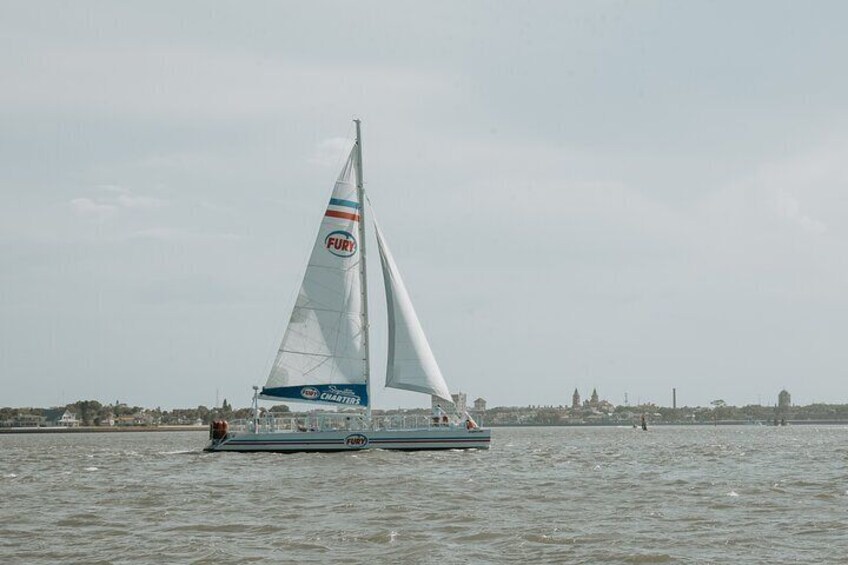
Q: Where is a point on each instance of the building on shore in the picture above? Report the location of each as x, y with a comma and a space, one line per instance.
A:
784, 405
61, 417
784, 401
593, 400
458, 400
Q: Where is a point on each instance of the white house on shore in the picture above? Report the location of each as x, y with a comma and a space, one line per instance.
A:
61, 417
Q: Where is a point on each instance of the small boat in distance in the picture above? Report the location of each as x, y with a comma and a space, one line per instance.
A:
324, 355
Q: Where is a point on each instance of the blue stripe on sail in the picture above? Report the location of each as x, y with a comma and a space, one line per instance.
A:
340, 202
344, 395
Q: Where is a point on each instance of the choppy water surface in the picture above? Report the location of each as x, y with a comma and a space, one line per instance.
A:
583, 495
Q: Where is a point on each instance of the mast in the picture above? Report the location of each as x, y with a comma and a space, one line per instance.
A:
360, 194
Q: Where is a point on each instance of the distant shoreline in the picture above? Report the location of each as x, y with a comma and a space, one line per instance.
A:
753, 423
137, 429
103, 429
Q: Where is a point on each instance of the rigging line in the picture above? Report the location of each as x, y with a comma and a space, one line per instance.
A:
333, 268
309, 301
346, 357
331, 310
309, 371
305, 318
340, 319
305, 353
325, 268
315, 368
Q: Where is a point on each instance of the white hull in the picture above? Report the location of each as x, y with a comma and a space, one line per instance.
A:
407, 440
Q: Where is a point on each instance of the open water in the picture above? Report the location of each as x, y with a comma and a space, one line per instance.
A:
540, 495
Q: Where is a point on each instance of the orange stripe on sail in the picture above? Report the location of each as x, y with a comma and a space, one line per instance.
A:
343, 215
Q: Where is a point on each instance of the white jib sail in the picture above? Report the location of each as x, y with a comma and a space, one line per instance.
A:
322, 355
411, 364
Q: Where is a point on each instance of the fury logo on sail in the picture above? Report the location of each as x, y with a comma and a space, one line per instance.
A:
340, 243
309, 393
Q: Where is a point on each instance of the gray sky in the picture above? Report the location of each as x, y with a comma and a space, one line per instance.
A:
632, 196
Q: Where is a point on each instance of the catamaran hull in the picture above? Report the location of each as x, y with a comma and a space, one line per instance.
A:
405, 440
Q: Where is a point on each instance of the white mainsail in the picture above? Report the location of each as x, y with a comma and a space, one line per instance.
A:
323, 354
411, 364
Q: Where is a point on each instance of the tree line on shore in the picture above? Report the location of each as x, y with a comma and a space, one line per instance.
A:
94, 413
718, 411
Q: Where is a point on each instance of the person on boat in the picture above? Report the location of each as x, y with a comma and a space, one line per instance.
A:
470, 424
439, 416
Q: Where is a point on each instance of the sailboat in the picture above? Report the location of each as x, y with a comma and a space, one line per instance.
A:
324, 358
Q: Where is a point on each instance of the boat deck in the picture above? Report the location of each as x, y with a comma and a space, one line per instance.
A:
341, 432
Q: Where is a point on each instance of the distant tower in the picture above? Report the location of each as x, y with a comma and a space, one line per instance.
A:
459, 400
575, 400
593, 401
480, 405
784, 401
674, 398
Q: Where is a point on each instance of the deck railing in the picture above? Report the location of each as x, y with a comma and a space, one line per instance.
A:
340, 422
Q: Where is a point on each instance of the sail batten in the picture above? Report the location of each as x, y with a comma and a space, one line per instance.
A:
411, 364
322, 356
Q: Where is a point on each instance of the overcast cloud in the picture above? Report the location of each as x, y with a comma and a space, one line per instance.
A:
632, 196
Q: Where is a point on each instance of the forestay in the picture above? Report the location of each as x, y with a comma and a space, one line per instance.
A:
322, 357
411, 364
